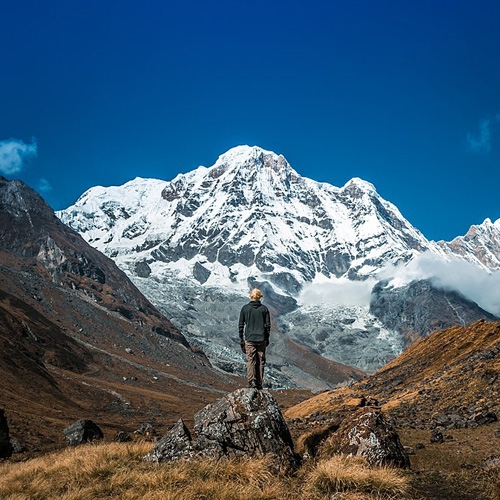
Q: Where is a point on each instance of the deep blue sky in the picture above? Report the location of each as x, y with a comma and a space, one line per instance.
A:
403, 94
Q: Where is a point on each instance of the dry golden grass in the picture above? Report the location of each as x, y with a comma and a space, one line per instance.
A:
116, 470
353, 476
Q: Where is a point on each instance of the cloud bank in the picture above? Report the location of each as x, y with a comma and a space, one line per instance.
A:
473, 282
339, 291
14, 154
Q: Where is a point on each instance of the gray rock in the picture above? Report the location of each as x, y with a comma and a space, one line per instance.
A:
366, 433
176, 443
436, 436
484, 418
123, 437
82, 431
200, 273
17, 447
247, 422
492, 462
5, 444
147, 431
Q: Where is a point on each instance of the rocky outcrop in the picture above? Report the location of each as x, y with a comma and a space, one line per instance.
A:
367, 433
420, 308
247, 422
82, 431
5, 444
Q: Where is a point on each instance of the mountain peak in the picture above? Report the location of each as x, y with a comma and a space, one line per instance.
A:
245, 160
357, 183
243, 152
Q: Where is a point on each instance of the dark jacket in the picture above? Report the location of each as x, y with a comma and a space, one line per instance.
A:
255, 322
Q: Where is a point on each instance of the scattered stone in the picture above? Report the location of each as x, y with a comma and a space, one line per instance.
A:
122, 437
5, 444
450, 421
491, 462
17, 447
147, 431
129, 351
420, 446
436, 436
496, 432
366, 433
246, 422
484, 418
409, 450
82, 431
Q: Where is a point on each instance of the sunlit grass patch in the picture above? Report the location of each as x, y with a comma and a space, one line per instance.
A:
352, 475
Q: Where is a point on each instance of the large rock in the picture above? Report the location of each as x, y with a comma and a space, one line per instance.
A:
366, 433
5, 444
247, 422
82, 431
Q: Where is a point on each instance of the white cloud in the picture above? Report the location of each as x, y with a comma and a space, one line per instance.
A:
481, 143
44, 186
14, 154
473, 282
339, 291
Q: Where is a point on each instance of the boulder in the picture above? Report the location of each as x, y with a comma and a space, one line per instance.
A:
366, 433
147, 431
5, 444
176, 443
486, 417
82, 431
246, 422
492, 462
436, 436
122, 437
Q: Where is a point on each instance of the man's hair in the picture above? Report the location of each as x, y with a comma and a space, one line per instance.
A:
256, 294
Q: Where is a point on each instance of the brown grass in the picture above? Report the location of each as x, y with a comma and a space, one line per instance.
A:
116, 470
353, 476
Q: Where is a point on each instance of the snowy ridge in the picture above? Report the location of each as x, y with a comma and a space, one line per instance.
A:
250, 213
480, 245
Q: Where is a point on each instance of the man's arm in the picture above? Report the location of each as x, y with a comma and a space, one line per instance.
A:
241, 329
241, 324
267, 326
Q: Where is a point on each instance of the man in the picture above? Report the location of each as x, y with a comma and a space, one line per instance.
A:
254, 327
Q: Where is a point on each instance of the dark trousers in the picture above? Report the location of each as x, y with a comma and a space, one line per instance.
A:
256, 360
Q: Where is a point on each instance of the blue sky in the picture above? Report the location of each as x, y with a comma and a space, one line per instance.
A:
405, 95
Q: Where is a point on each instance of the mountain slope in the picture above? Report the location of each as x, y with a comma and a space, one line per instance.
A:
78, 340
450, 372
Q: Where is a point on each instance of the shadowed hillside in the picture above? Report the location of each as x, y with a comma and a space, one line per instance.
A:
78, 340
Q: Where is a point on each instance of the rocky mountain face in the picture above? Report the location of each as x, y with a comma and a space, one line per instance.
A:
480, 244
78, 339
195, 244
420, 308
248, 214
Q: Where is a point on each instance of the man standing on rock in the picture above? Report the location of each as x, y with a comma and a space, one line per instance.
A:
254, 327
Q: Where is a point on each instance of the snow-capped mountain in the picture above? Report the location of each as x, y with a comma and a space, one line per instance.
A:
249, 214
193, 246
480, 244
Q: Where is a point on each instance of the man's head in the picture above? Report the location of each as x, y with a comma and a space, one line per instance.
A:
256, 294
